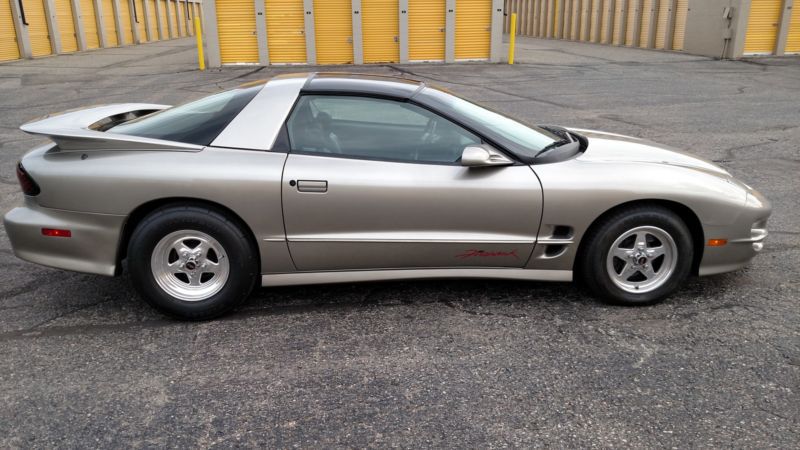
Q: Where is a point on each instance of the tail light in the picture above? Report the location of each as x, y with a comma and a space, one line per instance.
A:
29, 187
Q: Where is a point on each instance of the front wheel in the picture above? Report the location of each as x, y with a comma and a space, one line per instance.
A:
192, 262
637, 256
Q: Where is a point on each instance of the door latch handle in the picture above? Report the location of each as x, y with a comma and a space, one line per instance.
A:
312, 186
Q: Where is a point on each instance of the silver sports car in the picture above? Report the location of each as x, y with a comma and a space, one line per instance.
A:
324, 178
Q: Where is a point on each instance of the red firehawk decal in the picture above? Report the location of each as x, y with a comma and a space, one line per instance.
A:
483, 253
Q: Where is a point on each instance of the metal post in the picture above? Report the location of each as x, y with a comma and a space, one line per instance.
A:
211, 35
23, 39
80, 35
261, 32
118, 23
450, 31
403, 18
98, 18
52, 26
496, 46
512, 37
311, 39
358, 43
198, 34
783, 27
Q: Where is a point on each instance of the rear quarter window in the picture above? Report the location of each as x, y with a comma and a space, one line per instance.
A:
198, 122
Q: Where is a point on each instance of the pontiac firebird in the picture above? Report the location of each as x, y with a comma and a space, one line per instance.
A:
326, 178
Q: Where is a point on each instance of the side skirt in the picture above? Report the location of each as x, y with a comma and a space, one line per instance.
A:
299, 278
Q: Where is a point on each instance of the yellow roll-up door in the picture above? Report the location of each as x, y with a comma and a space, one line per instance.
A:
173, 17
661, 23
762, 27
236, 25
647, 10
682, 10
152, 19
9, 47
630, 29
586, 20
66, 26
575, 13
473, 29
109, 25
380, 28
333, 28
125, 18
89, 22
286, 37
793, 39
163, 18
615, 32
139, 19
426, 30
37, 27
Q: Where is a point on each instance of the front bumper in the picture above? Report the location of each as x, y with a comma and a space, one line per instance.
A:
745, 238
91, 249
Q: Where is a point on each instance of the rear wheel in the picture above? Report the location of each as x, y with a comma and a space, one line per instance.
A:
637, 256
192, 262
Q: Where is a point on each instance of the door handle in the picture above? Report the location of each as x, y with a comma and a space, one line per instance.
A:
312, 186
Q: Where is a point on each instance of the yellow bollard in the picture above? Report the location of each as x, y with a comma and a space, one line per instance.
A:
512, 38
198, 33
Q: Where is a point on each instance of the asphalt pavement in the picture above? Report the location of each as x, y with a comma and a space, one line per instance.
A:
473, 364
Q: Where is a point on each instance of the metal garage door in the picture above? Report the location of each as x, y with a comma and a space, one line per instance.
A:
153, 19
89, 22
586, 20
426, 26
632, 14
664, 11
37, 27
162, 16
9, 48
647, 10
380, 27
109, 25
173, 18
66, 26
793, 39
762, 27
333, 28
575, 20
236, 25
618, 8
286, 38
473, 29
680, 24
139, 19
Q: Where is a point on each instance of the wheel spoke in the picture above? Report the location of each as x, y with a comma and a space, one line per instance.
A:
641, 239
648, 272
627, 272
655, 252
622, 253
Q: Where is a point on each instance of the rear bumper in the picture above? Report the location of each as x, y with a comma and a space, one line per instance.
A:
91, 249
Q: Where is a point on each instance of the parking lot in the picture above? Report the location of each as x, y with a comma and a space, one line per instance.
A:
475, 364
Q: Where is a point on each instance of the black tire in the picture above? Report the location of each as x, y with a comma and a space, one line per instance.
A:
592, 264
242, 259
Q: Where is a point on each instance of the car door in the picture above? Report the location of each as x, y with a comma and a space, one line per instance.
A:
374, 183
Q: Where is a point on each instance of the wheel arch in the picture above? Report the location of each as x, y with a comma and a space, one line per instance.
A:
145, 209
684, 212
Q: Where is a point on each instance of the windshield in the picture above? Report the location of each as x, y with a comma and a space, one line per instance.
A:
522, 139
198, 122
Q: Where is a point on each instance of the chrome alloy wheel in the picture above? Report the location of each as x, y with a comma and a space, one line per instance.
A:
190, 265
642, 259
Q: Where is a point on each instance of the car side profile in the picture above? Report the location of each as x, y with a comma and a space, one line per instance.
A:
329, 177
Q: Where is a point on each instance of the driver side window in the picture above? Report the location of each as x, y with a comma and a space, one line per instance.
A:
373, 128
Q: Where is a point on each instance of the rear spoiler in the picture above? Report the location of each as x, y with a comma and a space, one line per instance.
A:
84, 129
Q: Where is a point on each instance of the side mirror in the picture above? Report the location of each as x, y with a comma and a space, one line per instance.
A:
480, 156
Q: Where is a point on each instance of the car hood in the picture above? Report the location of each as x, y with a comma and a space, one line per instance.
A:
616, 147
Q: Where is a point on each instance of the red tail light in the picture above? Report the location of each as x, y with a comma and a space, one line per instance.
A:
29, 187
54, 232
